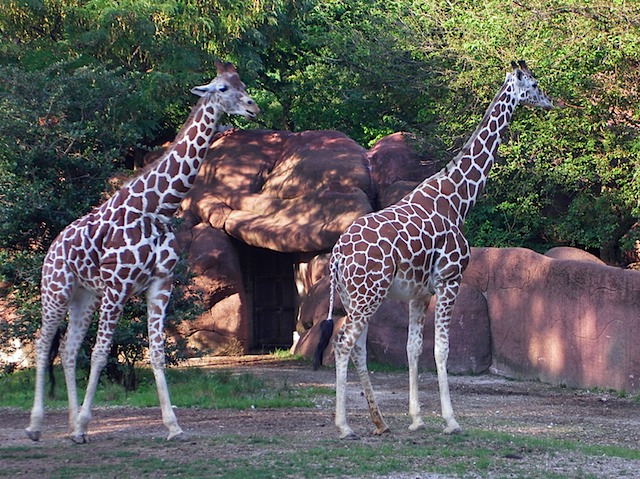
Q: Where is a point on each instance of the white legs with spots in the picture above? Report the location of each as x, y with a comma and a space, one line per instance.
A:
157, 301
342, 362
358, 353
80, 308
43, 344
417, 313
359, 357
344, 347
446, 294
111, 307
441, 351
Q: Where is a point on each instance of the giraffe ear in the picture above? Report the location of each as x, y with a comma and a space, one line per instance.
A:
201, 90
514, 65
523, 65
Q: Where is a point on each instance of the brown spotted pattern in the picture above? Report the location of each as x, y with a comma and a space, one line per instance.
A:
416, 249
126, 247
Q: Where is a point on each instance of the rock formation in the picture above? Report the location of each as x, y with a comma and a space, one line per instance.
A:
563, 321
563, 317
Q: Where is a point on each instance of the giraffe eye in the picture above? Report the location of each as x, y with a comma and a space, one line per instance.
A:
223, 88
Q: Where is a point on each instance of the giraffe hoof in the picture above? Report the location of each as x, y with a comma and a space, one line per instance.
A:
453, 430
177, 437
33, 435
381, 430
417, 425
350, 437
79, 438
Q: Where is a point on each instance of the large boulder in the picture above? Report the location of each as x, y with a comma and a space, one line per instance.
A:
575, 254
273, 190
223, 327
288, 192
396, 167
560, 321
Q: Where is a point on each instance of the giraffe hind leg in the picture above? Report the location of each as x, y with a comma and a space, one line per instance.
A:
111, 305
359, 358
341, 353
417, 312
52, 316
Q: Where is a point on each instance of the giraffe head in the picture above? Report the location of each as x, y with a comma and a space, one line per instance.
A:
527, 85
226, 93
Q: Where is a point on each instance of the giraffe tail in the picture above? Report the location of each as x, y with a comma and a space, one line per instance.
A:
326, 326
326, 331
53, 352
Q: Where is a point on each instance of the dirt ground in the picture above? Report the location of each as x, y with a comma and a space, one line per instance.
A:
481, 402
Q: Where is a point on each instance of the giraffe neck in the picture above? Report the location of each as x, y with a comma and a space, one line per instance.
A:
462, 180
160, 189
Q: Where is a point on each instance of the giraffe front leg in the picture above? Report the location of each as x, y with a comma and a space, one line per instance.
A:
445, 299
441, 351
82, 306
417, 312
359, 357
157, 300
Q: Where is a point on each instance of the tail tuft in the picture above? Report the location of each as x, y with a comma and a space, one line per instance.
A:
326, 331
53, 352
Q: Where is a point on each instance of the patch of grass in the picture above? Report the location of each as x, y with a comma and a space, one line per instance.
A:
189, 387
285, 355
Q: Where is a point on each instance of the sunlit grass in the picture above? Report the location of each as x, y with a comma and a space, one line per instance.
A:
189, 387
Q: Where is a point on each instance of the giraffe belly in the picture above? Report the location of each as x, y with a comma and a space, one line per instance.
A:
406, 288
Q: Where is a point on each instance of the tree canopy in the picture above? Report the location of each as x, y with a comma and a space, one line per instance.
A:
84, 84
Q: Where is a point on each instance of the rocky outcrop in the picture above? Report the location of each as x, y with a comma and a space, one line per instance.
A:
396, 168
286, 192
223, 327
563, 317
289, 192
563, 321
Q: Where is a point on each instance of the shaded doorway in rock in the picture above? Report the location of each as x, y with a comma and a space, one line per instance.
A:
272, 302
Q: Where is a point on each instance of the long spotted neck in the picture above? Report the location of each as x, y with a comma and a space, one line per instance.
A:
160, 190
462, 180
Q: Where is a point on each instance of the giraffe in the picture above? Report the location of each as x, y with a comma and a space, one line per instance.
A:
126, 247
411, 251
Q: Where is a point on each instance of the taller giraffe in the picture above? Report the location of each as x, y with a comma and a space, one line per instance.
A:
413, 250
125, 247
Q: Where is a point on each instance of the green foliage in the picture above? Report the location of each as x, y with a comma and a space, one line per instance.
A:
54, 159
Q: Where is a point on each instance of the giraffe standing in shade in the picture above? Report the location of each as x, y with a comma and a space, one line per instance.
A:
125, 247
411, 251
